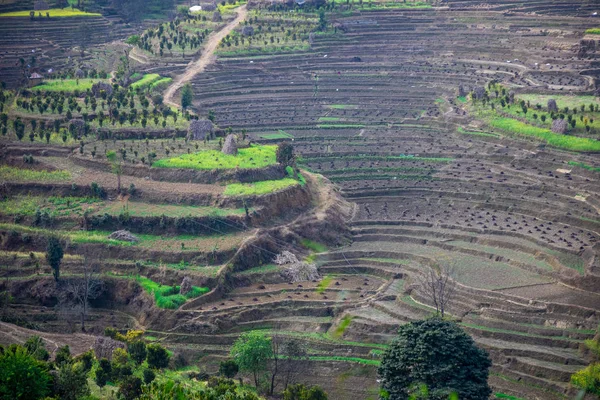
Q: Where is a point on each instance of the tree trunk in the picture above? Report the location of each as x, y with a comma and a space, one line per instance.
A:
119, 183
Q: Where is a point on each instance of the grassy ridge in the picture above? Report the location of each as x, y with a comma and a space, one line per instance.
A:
251, 158
145, 81
67, 85
258, 188
27, 175
54, 12
593, 31
554, 139
169, 296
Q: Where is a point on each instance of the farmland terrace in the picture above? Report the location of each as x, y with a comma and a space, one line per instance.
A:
399, 171
373, 106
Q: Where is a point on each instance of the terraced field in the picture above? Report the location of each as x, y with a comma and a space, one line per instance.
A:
372, 101
373, 106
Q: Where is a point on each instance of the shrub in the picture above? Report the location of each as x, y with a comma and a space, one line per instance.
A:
149, 376
137, 351
130, 388
228, 368
36, 347
71, 382
157, 356
63, 355
21, 375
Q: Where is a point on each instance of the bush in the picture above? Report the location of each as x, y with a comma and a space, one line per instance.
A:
36, 347
21, 375
71, 382
86, 359
149, 376
63, 355
157, 356
301, 392
228, 368
137, 351
103, 373
130, 388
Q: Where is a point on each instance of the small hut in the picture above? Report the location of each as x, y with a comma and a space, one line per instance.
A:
35, 79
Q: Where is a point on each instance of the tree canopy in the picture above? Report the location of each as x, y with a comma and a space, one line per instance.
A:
187, 96
252, 352
438, 354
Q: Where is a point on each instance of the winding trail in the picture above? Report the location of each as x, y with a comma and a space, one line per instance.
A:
197, 66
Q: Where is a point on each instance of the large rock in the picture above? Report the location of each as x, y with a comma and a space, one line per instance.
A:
124, 235
552, 107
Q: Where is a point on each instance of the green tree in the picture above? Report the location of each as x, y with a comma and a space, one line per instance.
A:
137, 351
187, 96
228, 368
54, 255
157, 356
71, 381
252, 352
439, 354
22, 376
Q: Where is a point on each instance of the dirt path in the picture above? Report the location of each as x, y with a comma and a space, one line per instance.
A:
197, 66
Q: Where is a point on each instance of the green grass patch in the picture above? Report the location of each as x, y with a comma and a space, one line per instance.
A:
346, 359
281, 134
507, 396
593, 31
343, 106
28, 175
54, 12
328, 119
73, 236
251, 157
67, 85
554, 139
163, 82
562, 100
258, 188
145, 81
584, 166
55, 206
324, 284
314, 246
169, 296
461, 99
263, 269
343, 325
